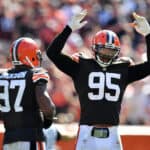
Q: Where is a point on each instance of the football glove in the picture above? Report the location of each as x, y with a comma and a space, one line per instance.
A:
141, 25
76, 22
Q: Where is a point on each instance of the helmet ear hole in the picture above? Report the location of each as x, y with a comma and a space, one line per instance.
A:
33, 59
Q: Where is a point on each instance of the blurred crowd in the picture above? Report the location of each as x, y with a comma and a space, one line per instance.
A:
42, 20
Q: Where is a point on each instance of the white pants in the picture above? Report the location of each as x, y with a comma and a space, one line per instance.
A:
86, 141
20, 145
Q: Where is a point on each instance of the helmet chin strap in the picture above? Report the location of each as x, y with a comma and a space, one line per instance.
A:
28, 60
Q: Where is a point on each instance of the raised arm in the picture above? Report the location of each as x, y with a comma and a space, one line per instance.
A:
63, 62
58, 43
55, 47
142, 26
137, 72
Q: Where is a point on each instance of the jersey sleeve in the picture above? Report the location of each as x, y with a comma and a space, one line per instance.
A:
140, 71
40, 75
63, 62
148, 47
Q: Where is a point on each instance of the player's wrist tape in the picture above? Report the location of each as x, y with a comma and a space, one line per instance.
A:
100, 132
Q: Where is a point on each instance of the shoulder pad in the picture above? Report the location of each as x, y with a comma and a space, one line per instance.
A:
40, 74
125, 60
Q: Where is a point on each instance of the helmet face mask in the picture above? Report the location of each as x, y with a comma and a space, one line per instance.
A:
106, 46
25, 51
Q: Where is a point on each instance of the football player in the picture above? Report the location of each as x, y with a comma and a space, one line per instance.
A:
100, 81
25, 105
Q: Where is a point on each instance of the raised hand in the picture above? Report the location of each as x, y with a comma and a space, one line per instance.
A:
76, 22
141, 24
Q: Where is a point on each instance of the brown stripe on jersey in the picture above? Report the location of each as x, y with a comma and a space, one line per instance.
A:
37, 77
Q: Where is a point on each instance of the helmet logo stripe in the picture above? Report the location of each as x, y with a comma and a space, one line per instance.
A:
110, 38
14, 53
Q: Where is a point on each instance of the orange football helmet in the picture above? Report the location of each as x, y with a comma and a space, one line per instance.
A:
25, 51
106, 46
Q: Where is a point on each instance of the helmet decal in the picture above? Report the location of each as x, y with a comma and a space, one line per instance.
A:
14, 50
